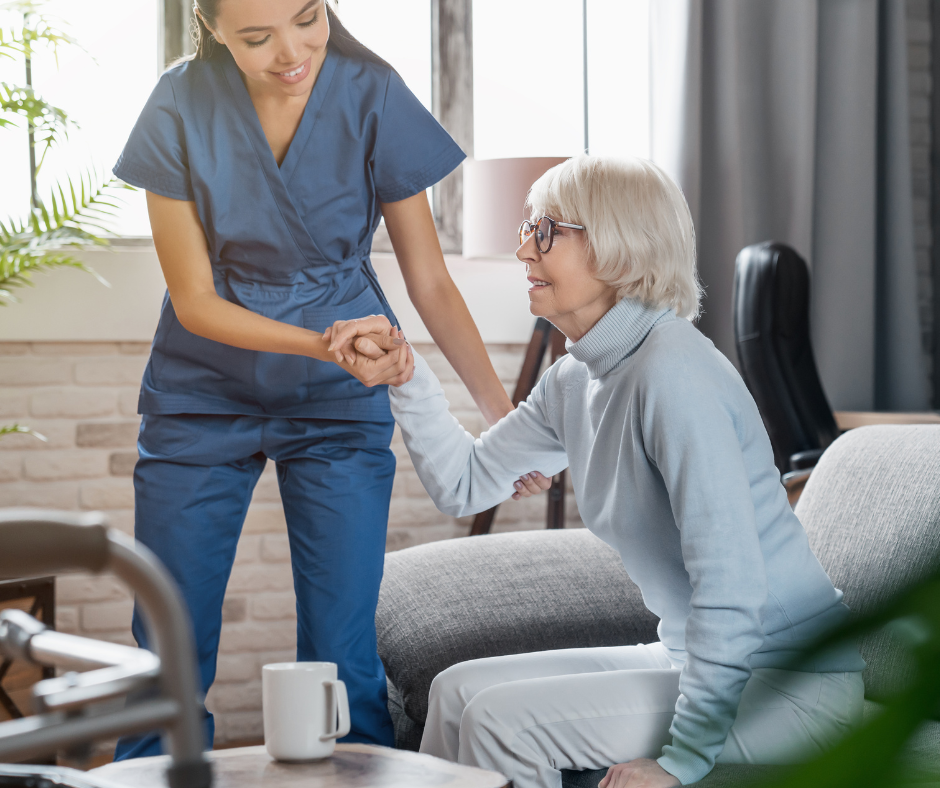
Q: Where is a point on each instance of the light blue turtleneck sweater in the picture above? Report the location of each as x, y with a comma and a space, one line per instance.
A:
672, 467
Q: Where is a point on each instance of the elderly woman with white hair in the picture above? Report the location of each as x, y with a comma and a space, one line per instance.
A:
673, 468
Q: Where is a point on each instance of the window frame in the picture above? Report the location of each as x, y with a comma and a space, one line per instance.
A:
451, 98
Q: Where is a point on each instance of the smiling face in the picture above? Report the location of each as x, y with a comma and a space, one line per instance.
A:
279, 45
564, 289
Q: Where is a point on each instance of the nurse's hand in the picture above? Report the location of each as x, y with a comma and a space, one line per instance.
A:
392, 368
371, 336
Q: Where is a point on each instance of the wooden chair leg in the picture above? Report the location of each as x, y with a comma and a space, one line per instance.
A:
544, 337
528, 377
483, 522
555, 516
556, 502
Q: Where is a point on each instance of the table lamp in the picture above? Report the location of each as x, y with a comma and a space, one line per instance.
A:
494, 192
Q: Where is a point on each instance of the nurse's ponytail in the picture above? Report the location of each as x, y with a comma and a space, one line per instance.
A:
345, 43
202, 37
341, 40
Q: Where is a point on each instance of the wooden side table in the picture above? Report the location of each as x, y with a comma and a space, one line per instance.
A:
351, 766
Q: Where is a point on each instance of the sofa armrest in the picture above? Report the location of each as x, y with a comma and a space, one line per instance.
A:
805, 460
794, 482
485, 596
851, 419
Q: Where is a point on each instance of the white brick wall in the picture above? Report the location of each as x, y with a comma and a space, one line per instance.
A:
83, 397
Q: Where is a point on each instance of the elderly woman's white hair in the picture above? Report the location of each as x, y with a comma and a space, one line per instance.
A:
639, 229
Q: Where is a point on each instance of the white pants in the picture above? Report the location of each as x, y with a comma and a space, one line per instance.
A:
530, 715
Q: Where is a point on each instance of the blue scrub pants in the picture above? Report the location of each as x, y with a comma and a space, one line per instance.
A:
193, 484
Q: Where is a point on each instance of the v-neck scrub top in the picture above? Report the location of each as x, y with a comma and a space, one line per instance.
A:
291, 242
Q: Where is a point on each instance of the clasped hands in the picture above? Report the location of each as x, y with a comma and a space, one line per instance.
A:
372, 350
376, 353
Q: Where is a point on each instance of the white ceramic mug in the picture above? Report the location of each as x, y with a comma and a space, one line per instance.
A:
305, 710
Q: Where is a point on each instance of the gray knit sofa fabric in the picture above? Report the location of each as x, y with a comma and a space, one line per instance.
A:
872, 512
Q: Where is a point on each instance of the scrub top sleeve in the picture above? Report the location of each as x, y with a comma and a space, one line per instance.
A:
412, 150
154, 157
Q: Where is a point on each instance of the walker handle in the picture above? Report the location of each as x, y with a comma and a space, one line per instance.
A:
38, 542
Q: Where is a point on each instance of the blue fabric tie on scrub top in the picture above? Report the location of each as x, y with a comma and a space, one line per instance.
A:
291, 242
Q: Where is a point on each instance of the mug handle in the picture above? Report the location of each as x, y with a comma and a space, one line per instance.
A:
339, 709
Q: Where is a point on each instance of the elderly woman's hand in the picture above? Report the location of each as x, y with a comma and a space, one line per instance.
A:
531, 484
638, 773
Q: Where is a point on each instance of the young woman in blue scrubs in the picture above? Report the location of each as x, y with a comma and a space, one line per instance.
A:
268, 160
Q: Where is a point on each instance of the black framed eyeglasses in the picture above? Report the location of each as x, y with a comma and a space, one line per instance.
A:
544, 230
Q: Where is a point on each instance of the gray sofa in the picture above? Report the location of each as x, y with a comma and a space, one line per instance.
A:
872, 512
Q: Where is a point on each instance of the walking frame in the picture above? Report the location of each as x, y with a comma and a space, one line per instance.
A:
160, 687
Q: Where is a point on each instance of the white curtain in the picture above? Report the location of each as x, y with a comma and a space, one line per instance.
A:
787, 120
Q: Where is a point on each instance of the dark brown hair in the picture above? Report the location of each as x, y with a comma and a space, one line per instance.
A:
341, 40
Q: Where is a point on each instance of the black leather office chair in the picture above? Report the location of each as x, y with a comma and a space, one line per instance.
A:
771, 332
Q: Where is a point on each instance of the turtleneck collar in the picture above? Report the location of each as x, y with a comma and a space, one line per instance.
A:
617, 335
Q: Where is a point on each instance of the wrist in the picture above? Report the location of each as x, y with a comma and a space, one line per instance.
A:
493, 411
317, 347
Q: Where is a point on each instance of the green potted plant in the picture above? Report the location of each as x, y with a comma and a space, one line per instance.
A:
78, 209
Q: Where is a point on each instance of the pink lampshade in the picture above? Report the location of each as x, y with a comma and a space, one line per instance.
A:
494, 192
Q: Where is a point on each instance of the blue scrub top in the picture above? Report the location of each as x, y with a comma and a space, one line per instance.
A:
291, 242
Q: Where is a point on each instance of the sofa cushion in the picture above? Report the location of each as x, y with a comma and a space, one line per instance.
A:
408, 733
872, 512
461, 599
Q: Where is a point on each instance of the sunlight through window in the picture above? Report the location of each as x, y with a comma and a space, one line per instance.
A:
528, 78
102, 86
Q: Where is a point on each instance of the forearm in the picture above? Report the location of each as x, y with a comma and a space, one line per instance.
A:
181, 246
438, 301
210, 316
693, 434
464, 475
446, 316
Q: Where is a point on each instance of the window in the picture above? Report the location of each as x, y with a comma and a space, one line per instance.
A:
102, 88
399, 32
528, 78
619, 77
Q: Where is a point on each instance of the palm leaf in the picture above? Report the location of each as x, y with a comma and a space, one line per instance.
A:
873, 755
35, 28
76, 217
50, 124
13, 429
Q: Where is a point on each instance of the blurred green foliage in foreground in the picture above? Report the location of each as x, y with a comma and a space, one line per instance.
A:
878, 753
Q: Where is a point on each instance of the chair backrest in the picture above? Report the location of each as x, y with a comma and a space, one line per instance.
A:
484, 596
872, 512
771, 330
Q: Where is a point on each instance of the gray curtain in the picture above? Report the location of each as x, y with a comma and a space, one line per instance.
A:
787, 120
